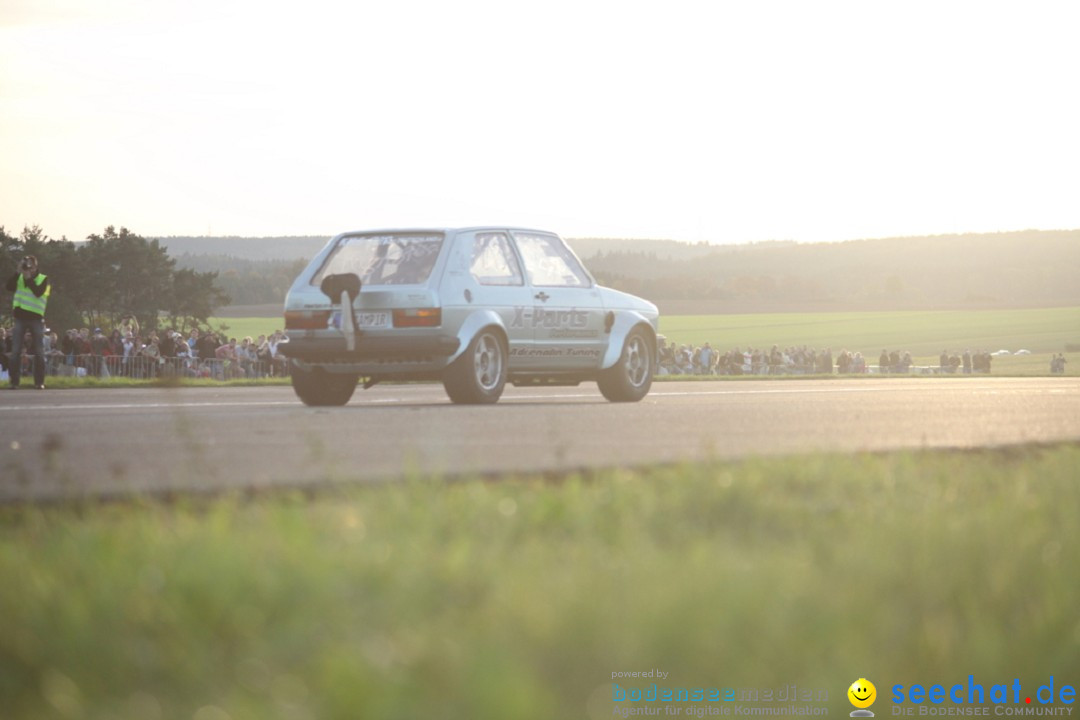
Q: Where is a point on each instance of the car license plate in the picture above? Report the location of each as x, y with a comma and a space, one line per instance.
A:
364, 320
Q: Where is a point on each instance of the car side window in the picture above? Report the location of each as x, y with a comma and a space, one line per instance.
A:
549, 262
494, 262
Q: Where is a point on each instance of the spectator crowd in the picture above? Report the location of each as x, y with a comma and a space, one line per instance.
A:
127, 352
705, 360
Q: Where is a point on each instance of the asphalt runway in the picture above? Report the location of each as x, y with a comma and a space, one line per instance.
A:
115, 441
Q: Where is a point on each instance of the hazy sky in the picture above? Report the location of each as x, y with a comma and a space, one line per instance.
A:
713, 120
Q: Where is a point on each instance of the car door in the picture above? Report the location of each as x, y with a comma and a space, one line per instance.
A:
566, 313
500, 286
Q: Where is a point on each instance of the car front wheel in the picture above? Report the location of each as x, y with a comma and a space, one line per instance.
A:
316, 387
629, 379
479, 375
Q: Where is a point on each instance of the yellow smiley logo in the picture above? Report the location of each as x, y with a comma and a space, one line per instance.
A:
862, 693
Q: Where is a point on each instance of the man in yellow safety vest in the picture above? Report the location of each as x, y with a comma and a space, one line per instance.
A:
31, 290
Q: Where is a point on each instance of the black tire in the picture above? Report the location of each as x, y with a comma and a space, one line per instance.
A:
319, 388
479, 375
629, 379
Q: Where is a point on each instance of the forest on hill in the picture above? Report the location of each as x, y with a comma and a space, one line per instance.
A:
189, 279
970, 271
1023, 269
246, 248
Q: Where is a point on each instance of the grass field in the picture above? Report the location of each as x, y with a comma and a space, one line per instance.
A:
1044, 332
921, 333
253, 327
519, 599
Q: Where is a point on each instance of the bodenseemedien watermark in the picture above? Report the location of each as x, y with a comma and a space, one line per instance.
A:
664, 697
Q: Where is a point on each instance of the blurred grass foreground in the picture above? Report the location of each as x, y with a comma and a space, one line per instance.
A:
521, 599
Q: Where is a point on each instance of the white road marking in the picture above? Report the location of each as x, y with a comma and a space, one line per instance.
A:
142, 406
656, 394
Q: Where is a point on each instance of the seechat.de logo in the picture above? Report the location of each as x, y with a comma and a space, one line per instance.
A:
1006, 698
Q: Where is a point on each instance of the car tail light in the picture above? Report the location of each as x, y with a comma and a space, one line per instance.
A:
307, 319
418, 317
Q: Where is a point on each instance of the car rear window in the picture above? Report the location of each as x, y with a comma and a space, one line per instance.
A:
405, 259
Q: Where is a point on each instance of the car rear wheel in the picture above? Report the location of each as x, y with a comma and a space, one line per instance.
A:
319, 388
479, 375
629, 379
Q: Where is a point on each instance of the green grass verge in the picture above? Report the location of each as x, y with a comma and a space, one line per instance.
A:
519, 599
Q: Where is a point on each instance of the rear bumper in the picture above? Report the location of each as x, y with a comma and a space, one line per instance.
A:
368, 348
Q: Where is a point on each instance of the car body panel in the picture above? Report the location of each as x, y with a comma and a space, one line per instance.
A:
627, 311
470, 304
568, 327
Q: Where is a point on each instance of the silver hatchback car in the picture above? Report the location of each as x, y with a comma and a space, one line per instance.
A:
473, 307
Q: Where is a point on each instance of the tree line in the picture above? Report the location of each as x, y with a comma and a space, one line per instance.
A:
968, 271
247, 282
117, 273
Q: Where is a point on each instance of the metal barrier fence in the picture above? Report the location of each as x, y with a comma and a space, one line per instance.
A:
148, 368
671, 368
